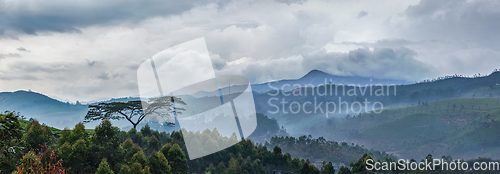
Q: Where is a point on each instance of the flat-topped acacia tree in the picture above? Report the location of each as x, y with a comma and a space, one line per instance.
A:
133, 110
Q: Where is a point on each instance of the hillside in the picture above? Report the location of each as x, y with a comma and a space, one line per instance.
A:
316, 78
60, 115
304, 121
45, 109
460, 127
48, 110
320, 149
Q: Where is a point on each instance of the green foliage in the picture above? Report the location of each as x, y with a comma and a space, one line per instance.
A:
296, 164
45, 161
208, 140
77, 133
165, 149
146, 131
83, 153
221, 168
464, 130
211, 169
10, 141
30, 163
132, 110
104, 168
344, 170
79, 157
233, 167
37, 135
327, 168
177, 160
136, 137
309, 168
266, 128
125, 169
158, 163
138, 158
320, 149
105, 144
153, 144
65, 133
137, 168
246, 157
360, 165
75, 149
258, 166
129, 149
10, 128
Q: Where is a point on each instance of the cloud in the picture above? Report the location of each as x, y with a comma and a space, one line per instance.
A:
289, 2
32, 67
383, 43
379, 63
32, 17
18, 77
90, 63
107, 76
266, 70
474, 22
388, 63
362, 14
262, 40
9, 55
217, 61
23, 49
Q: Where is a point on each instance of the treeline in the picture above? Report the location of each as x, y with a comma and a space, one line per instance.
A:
246, 157
322, 150
35, 149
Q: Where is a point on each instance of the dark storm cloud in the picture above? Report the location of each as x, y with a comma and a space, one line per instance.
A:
476, 22
397, 63
31, 17
362, 14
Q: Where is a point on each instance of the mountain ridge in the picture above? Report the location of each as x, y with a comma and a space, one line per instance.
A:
317, 77
63, 114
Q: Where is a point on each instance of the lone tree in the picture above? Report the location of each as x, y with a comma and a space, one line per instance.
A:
135, 111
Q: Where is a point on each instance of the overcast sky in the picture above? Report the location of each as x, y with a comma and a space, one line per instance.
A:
90, 50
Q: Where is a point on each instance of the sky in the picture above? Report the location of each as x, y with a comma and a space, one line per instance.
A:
90, 50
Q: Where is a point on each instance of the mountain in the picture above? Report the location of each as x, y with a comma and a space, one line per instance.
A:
316, 78
50, 111
460, 127
62, 114
43, 108
313, 78
445, 116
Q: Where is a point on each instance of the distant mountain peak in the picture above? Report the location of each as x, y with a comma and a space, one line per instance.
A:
315, 73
